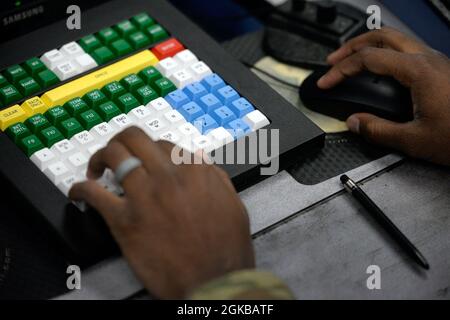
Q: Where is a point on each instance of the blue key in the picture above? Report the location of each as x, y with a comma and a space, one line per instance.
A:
223, 115
213, 82
227, 95
191, 111
205, 123
209, 102
237, 128
195, 91
241, 107
177, 99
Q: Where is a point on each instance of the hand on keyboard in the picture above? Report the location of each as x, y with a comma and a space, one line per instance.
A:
423, 70
178, 226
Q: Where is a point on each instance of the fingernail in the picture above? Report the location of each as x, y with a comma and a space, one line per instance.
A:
353, 124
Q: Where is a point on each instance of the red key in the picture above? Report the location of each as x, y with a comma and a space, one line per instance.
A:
167, 49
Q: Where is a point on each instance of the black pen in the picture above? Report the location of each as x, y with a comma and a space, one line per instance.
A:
379, 215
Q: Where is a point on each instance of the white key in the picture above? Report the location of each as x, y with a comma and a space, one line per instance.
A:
159, 105
189, 131
168, 66
56, 172
78, 162
202, 142
103, 131
139, 114
82, 140
66, 70
170, 136
43, 158
66, 184
200, 70
92, 150
182, 78
85, 62
120, 122
72, 49
220, 137
153, 126
52, 58
174, 118
256, 120
63, 148
186, 57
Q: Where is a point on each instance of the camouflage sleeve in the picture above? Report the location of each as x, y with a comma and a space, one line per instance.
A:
244, 285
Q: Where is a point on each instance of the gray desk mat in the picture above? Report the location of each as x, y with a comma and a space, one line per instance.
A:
268, 203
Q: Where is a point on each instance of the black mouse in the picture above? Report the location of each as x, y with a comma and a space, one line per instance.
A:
379, 95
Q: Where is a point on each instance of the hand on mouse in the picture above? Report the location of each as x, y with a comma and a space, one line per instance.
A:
178, 226
425, 71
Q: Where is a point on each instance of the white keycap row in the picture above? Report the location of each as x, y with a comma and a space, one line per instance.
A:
69, 61
183, 69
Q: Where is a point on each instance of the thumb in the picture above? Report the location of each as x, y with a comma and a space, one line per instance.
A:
381, 131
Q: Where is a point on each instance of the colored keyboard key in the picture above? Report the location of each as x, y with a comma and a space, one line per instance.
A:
30, 145
167, 49
213, 82
209, 102
205, 123
18, 131
191, 111
241, 107
11, 116
177, 99
99, 78
223, 115
195, 91
227, 95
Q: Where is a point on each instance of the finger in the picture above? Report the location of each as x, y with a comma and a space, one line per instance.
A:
401, 66
155, 156
383, 38
114, 154
105, 202
383, 132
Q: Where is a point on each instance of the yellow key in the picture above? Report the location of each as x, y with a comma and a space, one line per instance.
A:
99, 78
11, 116
33, 106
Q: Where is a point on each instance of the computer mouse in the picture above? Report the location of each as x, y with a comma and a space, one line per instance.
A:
367, 92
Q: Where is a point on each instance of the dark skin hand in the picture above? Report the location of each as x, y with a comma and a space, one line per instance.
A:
177, 226
418, 67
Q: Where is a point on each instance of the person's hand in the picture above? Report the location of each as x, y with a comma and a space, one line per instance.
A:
425, 71
178, 226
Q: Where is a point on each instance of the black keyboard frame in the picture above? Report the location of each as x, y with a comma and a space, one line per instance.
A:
84, 237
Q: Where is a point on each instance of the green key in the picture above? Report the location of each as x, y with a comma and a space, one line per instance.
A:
76, 106
37, 123
89, 119
132, 82
50, 136
47, 78
15, 73
33, 66
102, 55
57, 114
142, 21
30, 145
70, 127
156, 33
120, 47
94, 98
17, 132
3, 81
164, 86
150, 75
125, 28
114, 90
9, 94
28, 86
108, 110
139, 40
127, 102
89, 43
107, 35
146, 94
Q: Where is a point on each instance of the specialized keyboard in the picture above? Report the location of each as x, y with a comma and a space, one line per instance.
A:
60, 107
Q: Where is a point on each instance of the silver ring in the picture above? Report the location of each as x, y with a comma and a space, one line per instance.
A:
126, 167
